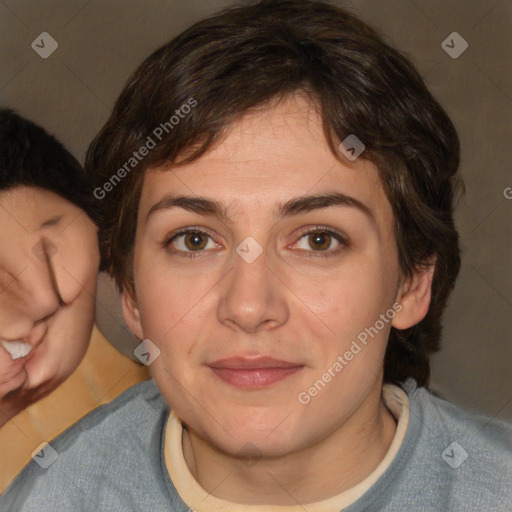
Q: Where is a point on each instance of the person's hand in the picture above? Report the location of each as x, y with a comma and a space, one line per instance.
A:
12, 376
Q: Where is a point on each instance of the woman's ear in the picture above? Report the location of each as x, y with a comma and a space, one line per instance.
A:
131, 313
414, 296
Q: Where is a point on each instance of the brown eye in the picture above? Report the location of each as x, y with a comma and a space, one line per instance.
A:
320, 241
189, 241
195, 241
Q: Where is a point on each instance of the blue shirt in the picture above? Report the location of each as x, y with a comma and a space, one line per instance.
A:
113, 460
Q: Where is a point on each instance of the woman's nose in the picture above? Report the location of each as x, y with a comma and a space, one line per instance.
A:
252, 298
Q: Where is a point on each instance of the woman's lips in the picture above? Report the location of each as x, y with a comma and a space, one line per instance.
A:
253, 373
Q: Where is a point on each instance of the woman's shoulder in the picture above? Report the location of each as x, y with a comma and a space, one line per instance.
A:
444, 415
464, 440
124, 432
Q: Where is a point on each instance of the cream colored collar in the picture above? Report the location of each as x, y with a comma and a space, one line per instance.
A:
201, 501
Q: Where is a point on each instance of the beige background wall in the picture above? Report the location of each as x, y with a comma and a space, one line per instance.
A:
100, 42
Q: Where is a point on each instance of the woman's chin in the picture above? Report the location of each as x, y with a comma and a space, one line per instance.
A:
249, 441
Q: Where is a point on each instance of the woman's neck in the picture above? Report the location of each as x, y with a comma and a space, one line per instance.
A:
333, 465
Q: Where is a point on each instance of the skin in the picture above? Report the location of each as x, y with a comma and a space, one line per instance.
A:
290, 304
48, 273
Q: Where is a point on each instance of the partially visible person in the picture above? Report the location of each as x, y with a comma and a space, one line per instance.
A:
49, 261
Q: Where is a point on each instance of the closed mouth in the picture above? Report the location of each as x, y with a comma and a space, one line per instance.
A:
253, 373
243, 363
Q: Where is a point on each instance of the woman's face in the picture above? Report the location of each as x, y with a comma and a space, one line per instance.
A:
251, 283
48, 267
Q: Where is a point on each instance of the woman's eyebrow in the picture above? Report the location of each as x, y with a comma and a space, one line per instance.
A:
50, 222
304, 204
295, 206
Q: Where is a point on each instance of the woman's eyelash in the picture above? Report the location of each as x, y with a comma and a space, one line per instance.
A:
313, 254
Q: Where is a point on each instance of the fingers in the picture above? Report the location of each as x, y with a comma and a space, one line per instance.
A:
12, 372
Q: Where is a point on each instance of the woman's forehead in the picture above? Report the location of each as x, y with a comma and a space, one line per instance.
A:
273, 155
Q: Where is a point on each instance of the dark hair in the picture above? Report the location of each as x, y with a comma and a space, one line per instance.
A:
247, 56
32, 157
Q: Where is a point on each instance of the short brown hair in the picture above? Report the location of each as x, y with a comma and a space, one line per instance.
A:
247, 56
